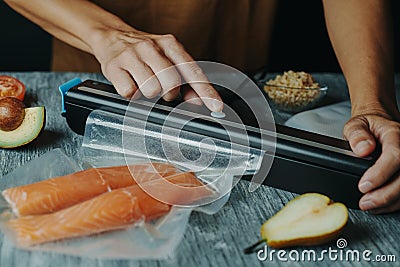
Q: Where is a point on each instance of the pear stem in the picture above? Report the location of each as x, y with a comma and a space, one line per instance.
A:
252, 248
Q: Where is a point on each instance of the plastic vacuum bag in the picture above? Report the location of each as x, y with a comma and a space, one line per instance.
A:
112, 140
216, 162
138, 241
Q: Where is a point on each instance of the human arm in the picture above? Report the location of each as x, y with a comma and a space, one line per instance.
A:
360, 33
128, 57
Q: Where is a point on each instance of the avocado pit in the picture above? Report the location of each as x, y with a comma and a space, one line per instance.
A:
12, 113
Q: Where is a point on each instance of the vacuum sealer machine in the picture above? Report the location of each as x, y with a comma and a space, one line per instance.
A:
302, 161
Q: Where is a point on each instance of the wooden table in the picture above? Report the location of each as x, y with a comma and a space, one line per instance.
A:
216, 240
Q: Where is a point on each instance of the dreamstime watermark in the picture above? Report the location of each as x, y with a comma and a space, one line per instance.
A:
340, 253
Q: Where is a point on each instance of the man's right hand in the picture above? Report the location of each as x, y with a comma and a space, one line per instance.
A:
130, 59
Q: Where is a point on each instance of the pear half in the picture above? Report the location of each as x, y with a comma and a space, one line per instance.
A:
29, 129
309, 219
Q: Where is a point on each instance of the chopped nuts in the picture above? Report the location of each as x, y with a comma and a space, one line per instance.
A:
292, 90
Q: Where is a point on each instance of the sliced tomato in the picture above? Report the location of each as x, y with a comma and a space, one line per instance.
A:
11, 86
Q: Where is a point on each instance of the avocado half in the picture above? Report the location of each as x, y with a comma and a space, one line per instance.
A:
29, 129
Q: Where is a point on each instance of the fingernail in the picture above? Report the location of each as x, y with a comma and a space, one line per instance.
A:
365, 186
216, 105
362, 147
367, 204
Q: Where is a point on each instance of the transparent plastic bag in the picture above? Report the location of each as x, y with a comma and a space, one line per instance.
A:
138, 241
156, 239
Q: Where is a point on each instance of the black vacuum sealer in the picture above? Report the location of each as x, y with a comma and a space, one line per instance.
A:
303, 161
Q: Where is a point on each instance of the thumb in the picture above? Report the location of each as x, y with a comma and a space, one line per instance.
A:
358, 133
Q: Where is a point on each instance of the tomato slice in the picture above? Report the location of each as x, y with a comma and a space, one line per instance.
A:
10, 86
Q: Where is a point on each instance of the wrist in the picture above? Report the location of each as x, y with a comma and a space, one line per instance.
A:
374, 98
103, 37
99, 38
387, 109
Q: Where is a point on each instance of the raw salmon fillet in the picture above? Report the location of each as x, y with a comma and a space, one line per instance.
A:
109, 211
60, 192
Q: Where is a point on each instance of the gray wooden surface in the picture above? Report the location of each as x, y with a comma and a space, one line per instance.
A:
216, 240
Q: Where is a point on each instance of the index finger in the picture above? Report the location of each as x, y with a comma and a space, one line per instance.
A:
192, 73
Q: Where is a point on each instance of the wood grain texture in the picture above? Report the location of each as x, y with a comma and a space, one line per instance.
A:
216, 240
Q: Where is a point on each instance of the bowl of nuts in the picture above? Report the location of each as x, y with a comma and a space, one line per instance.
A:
293, 92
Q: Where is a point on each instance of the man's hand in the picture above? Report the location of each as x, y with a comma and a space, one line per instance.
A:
152, 64
381, 182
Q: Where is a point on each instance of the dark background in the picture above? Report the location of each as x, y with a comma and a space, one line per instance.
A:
299, 41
